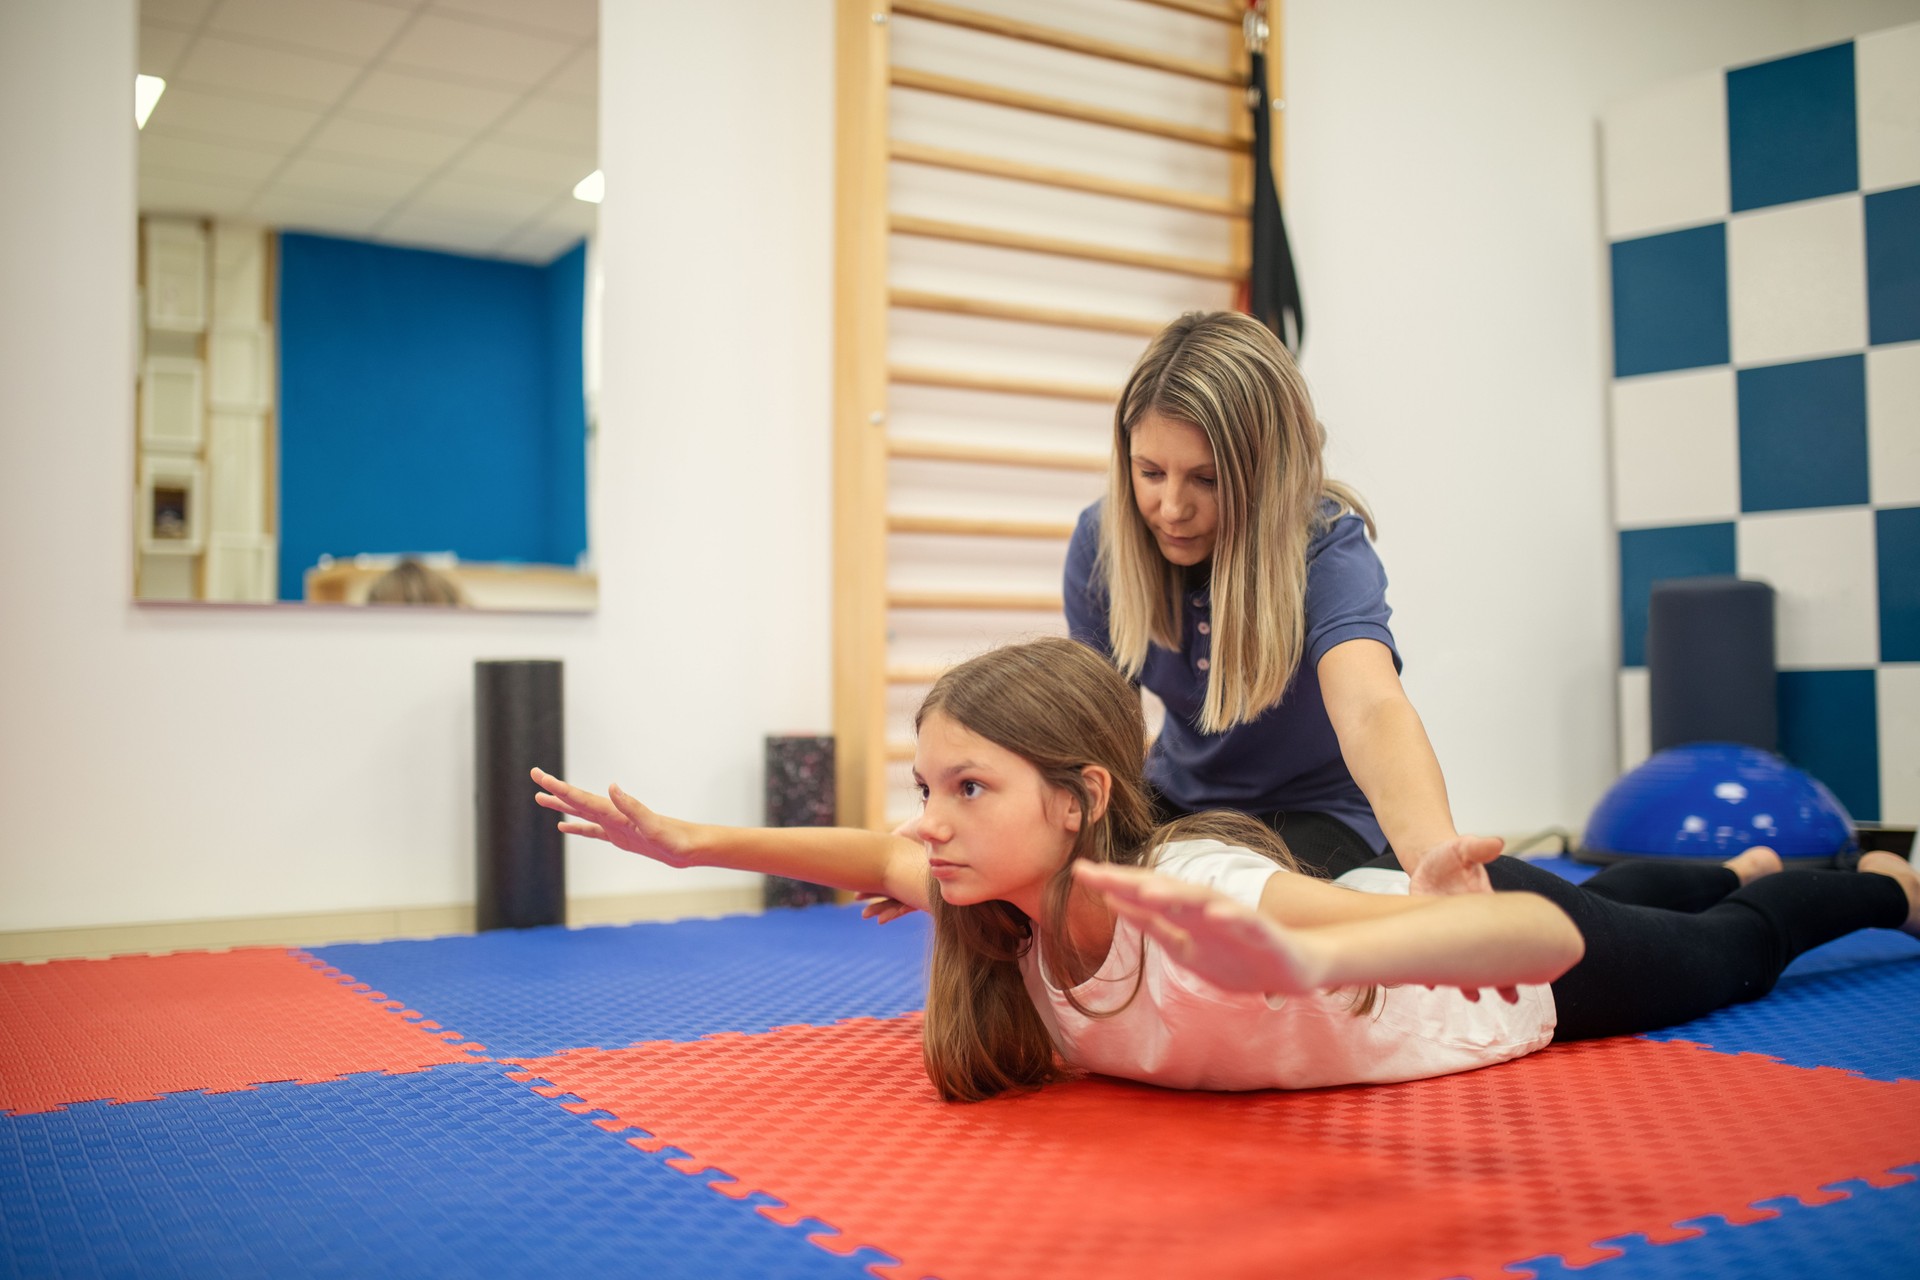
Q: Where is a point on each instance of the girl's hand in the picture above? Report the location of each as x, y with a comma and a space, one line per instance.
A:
1458, 866
879, 908
618, 819
1230, 945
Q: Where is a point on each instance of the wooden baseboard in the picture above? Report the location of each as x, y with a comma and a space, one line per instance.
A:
321, 928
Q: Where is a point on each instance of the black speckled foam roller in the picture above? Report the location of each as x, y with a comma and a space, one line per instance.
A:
517, 724
800, 785
1710, 663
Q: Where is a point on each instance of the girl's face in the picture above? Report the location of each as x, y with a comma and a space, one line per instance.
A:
992, 827
1173, 486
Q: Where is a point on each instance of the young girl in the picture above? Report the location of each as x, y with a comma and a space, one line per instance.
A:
1225, 572
1069, 934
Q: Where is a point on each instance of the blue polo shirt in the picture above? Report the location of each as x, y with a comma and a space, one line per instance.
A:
1287, 758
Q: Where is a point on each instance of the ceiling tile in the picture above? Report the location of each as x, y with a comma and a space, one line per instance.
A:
477, 236
569, 19
293, 210
537, 167
579, 78
540, 245
421, 150
575, 217
217, 62
162, 192
171, 154
353, 28
398, 96
564, 122
452, 46
356, 182
511, 206
160, 48
187, 12
200, 112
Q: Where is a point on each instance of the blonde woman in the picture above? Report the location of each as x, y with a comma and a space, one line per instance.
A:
1071, 933
1228, 574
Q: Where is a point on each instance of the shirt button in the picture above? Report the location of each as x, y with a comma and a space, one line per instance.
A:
1204, 629
1202, 664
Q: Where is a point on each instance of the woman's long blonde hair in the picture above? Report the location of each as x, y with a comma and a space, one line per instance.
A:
1226, 374
1056, 704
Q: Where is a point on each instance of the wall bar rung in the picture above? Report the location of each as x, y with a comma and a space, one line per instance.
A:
899, 751
964, 233
914, 675
1019, 171
1230, 14
922, 300
961, 380
943, 451
1236, 140
1071, 41
974, 601
973, 527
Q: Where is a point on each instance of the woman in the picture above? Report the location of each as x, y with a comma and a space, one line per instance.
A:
1226, 573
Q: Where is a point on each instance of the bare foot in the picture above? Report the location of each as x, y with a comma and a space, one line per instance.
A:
1754, 863
1898, 868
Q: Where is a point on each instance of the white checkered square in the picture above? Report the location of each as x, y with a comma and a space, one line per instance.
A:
1636, 716
1898, 691
1893, 424
1821, 565
1796, 281
1665, 157
1675, 448
1887, 88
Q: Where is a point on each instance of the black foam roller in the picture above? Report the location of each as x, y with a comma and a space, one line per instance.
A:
1710, 663
800, 793
517, 725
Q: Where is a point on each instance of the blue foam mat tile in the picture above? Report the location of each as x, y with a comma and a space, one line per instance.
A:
1859, 1018
1871, 1234
531, 992
451, 1172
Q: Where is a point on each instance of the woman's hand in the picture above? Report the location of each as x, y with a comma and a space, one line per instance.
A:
620, 820
1230, 945
1458, 865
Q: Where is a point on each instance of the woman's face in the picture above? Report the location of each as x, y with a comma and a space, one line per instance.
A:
1173, 486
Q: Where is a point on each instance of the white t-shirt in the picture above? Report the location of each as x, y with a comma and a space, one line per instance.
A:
1183, 1032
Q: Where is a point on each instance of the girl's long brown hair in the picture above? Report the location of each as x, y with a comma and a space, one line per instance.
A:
1061, 707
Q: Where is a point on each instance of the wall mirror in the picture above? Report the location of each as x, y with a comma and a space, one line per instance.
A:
367, 302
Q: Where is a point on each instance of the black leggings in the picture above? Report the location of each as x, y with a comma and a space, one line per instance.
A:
1671, 942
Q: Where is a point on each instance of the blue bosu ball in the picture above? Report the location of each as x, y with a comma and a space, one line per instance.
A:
1708, 801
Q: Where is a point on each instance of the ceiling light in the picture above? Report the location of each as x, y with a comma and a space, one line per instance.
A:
591, 188
146, 92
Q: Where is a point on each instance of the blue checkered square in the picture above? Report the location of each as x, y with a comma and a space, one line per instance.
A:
1791, 132
1648, 556
1829, 726
1670, 301
1897, 548
1803, 434
1893, 265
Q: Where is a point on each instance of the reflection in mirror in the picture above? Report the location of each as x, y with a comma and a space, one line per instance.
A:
367, 302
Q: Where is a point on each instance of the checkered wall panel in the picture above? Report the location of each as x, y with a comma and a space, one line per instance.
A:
1763, 228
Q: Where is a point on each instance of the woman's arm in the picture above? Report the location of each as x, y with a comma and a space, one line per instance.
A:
1386, 748
842, 857
1471, 941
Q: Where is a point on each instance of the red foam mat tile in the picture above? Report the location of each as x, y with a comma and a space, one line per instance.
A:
135, 1027
1455, 1176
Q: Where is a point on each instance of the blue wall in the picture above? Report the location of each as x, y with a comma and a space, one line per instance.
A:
428, 402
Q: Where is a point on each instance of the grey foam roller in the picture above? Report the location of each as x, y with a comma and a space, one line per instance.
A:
517, 724
1710, 663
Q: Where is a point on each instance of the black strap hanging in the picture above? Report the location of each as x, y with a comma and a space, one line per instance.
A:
1272, 294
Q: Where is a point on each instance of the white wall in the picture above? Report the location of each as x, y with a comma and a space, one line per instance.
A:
160, 763
166, 764
1442, 179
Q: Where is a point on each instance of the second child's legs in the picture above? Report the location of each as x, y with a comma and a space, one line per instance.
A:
1647, 968
1681, 886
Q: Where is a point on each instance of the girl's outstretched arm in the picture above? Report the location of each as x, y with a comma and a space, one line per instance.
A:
1472, 941
842, 857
